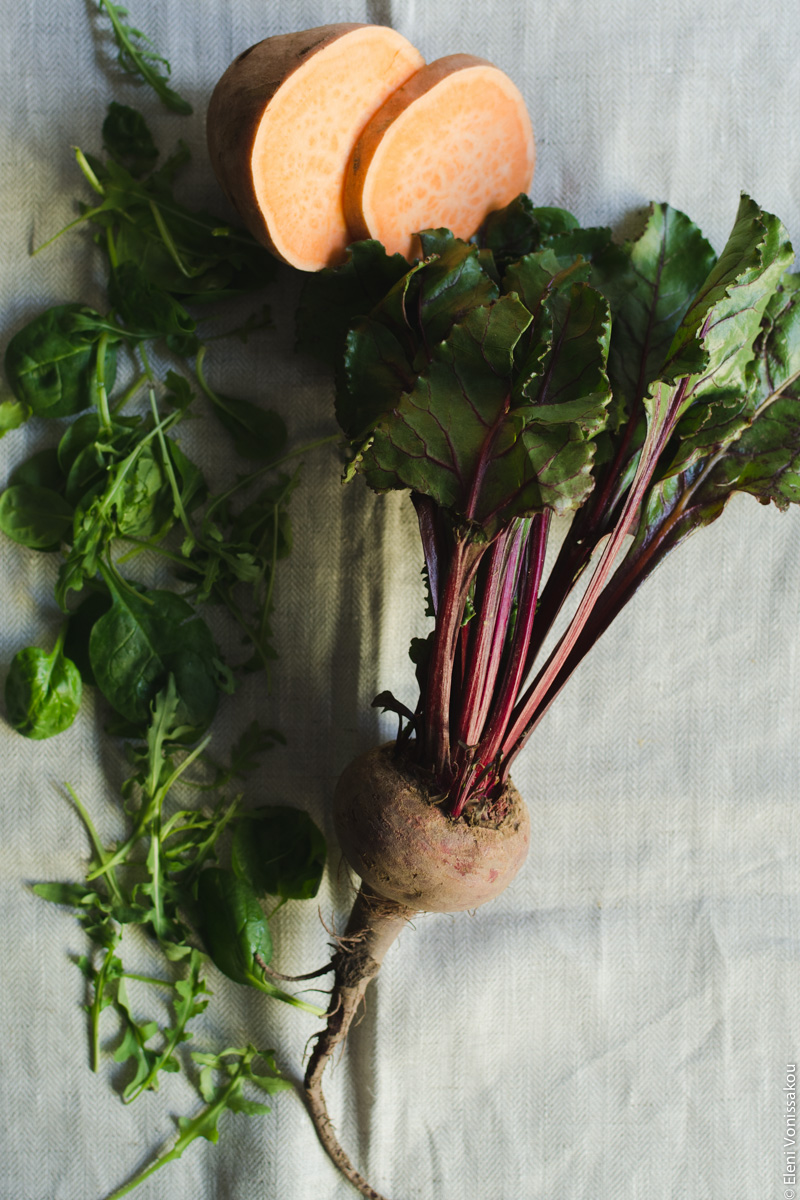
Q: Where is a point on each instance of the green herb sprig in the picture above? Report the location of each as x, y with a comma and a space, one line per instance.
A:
115, 491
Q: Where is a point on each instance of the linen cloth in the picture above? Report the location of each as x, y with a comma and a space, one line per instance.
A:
618, 1025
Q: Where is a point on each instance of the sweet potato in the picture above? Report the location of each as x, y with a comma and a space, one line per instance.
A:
445, 149
282, 123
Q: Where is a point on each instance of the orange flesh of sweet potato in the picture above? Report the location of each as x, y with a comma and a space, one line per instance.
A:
446, 148
282, 125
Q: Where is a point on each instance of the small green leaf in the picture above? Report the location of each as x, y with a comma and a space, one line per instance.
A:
42, 692
35, 517
12, 415
51, 364
279, 851
138, 57
235, 929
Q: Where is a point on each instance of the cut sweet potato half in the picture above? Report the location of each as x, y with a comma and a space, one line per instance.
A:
447, 148
282, 124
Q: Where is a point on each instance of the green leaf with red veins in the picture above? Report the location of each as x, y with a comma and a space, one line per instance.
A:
458, 436
650, 287
573, 385
765, 460
715, 342
375, 372
438, 437
762, 458
777, 356
535, 279
449, 286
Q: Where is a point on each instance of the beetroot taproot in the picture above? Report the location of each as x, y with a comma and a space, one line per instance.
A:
412, 857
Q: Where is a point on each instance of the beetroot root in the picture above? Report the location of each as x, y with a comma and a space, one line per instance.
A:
412, 857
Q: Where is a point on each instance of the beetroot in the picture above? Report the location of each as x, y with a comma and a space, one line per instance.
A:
412, 857
542, 370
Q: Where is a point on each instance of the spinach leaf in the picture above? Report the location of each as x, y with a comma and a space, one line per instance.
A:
36, 517
145, 637
51, 364
12, 415
43, 691
40, 470
236, 933
279, 851
235, 929
79, 628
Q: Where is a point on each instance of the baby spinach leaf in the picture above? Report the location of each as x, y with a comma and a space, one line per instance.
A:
51, 364
40, 470
12, 415
235, 929
79, 628
236, 933
42, 691
34, 516
279, 851
140, 641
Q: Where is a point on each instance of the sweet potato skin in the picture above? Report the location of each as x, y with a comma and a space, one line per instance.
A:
237, 105
405, 848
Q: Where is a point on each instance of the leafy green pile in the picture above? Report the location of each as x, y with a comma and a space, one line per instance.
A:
112, 498
543, 368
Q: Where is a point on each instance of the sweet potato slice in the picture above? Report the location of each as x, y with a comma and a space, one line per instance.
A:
282, 123
448, 147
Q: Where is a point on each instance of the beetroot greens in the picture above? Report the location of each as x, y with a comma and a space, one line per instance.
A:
540, 369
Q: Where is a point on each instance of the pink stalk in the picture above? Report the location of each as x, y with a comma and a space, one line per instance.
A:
516, 667
530, 710
494, 612
464, 562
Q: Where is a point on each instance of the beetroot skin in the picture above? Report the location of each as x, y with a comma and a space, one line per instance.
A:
412, 857
406, 848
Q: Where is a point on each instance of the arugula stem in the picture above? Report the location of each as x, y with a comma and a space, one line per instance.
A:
96, 1007
206, 1118
166, 462
169, 243
128, 394
100, 852
85, 216
100, 380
